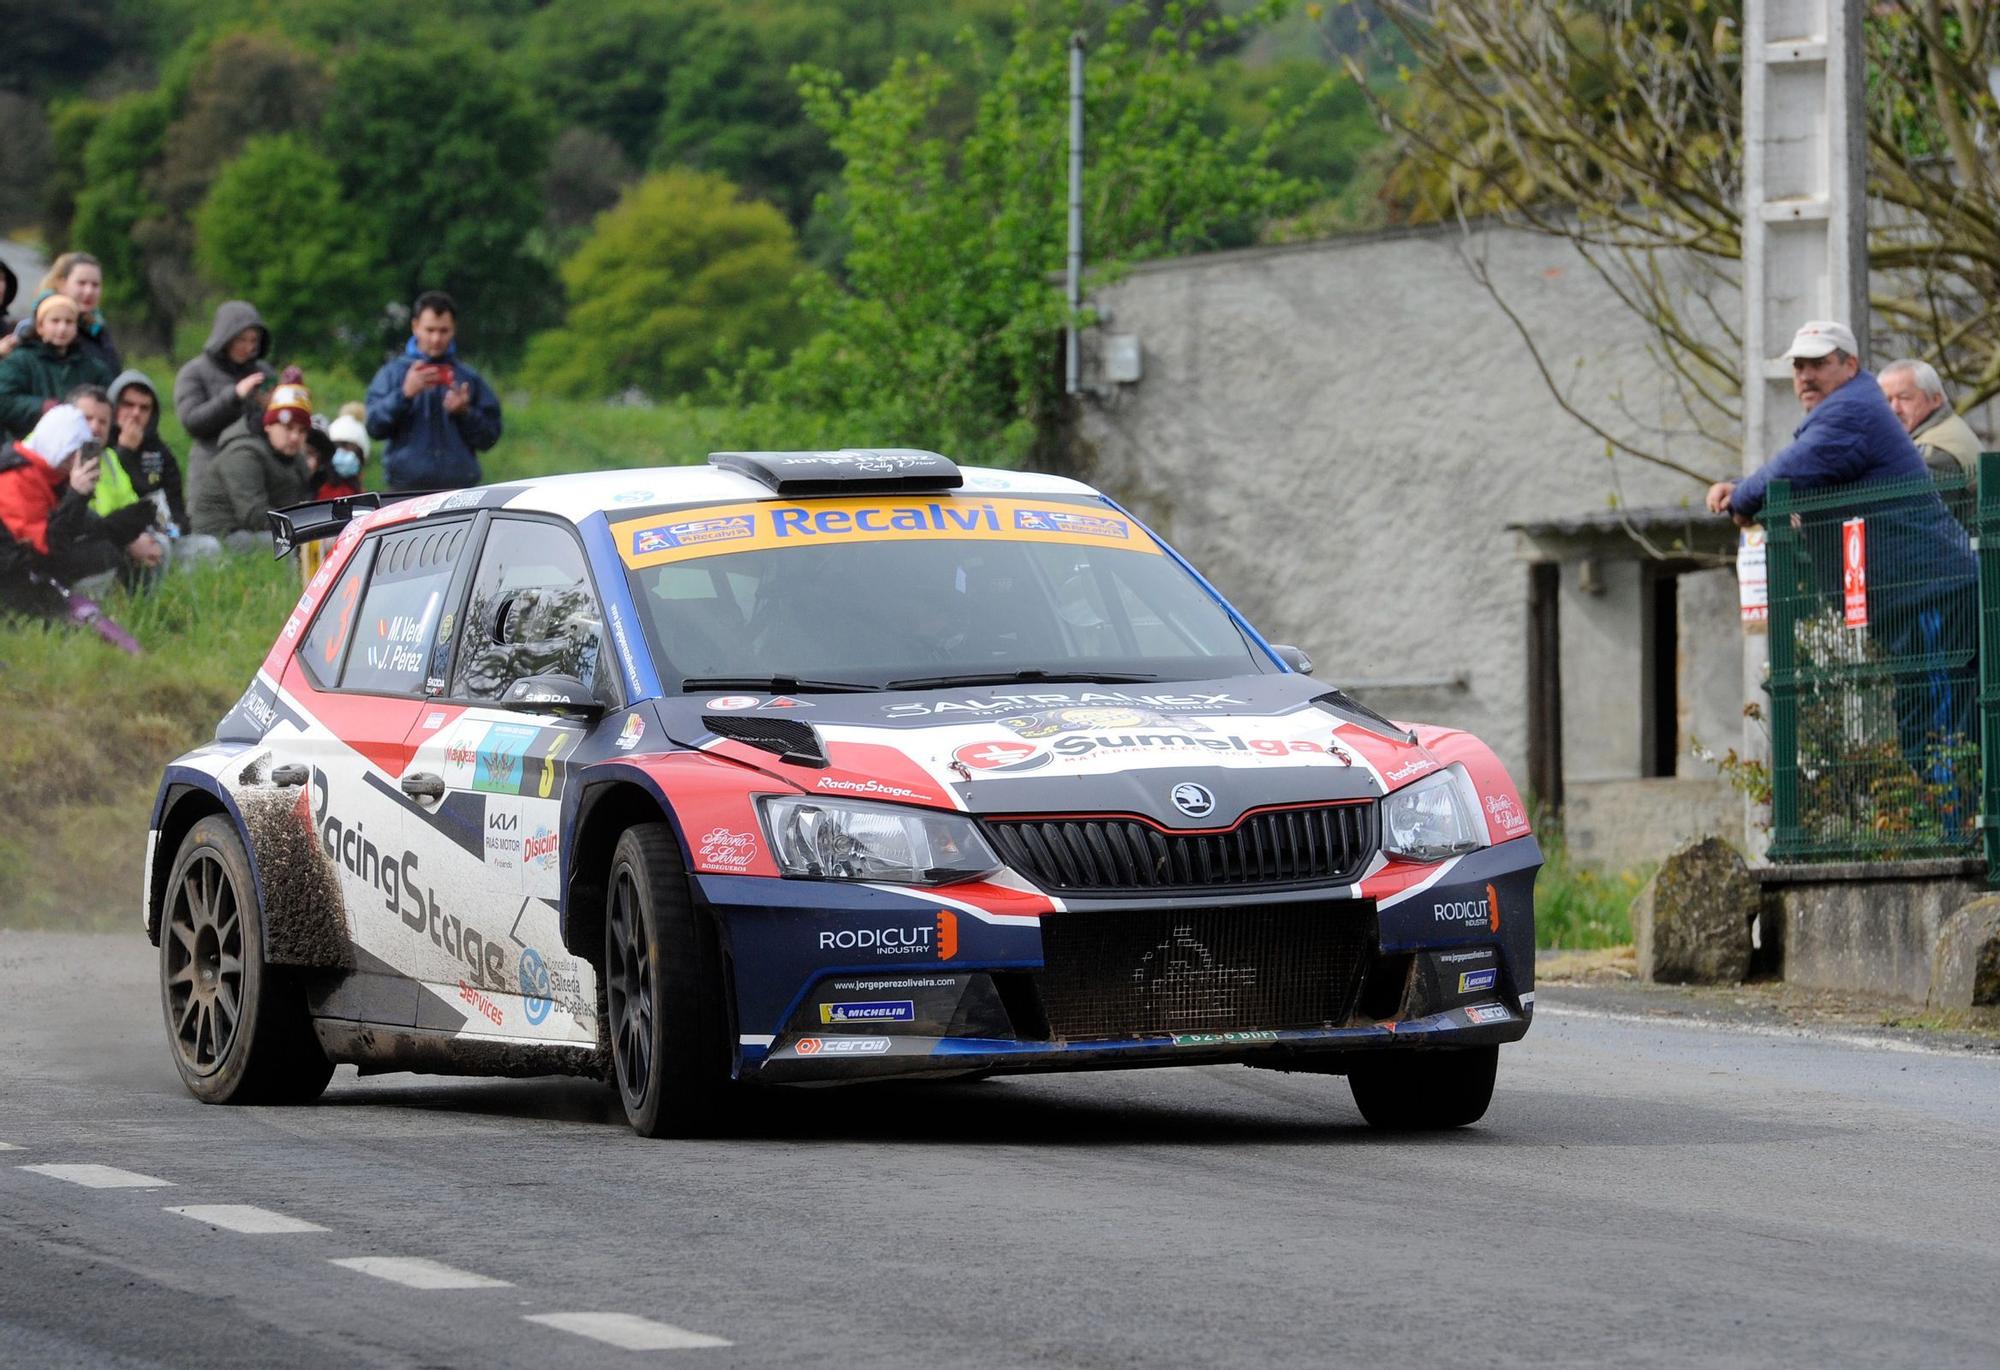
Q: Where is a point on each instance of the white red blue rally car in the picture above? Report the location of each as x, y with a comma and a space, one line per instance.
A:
813, 767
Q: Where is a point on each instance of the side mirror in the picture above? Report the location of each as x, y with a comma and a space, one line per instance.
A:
554, 693
1294, 657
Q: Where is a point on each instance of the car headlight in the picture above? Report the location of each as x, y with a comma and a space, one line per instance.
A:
1430, 820
838, 840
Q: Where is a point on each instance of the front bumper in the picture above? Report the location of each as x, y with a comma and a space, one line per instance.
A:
837, 982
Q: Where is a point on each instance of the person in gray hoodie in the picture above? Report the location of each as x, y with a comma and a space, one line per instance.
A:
220, 385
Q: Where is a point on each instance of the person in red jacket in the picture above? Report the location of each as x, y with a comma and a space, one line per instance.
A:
46, 481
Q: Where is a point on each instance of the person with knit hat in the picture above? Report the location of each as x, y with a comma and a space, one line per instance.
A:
80, 276
36, 375
46, 482
260, 467
342, 473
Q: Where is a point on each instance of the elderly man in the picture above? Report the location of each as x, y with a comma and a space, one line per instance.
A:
1921, 568
1946, 441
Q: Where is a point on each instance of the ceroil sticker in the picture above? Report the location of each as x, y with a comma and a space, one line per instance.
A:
1487, 1013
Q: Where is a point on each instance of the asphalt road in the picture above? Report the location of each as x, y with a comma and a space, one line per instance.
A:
1642, 1193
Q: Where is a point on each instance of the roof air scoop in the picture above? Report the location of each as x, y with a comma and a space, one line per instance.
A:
851, 470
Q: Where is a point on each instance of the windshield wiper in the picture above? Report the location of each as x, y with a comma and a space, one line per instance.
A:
775, 684
1030, 676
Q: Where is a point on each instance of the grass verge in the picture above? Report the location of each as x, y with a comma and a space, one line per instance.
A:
1578, 909
92, 728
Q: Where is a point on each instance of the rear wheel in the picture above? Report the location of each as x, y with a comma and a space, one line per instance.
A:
1424, 1091
662, 991
239, 1028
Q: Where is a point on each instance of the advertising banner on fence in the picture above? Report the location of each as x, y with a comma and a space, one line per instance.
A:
1752, 580
1854, 571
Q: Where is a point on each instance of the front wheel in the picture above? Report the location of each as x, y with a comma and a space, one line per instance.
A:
1425, 1091
662, 992
239, 1028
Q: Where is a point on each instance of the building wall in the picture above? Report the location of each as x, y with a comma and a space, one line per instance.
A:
1339, 433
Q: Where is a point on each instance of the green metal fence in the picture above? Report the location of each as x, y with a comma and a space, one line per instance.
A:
1878, 700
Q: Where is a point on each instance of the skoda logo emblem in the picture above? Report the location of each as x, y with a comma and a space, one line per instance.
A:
1194, 800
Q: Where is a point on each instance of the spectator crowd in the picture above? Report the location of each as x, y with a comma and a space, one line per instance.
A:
91, 494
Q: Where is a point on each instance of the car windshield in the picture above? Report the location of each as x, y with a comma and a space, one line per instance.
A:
914, 611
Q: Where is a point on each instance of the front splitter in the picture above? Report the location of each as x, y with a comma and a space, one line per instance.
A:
855, 1056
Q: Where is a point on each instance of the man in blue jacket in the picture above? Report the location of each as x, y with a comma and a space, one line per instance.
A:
437, 413
1922, 599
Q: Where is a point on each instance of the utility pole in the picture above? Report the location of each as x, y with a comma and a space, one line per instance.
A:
1805, 245
1072, 361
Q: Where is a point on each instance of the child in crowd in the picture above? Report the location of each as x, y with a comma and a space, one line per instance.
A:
36, 375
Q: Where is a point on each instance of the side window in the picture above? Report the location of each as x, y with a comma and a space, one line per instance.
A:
532, 612
400, 608
326, 644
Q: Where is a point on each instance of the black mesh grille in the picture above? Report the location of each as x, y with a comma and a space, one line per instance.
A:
1328, 843
1115, 974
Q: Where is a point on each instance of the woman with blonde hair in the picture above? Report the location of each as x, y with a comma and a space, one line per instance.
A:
81, 277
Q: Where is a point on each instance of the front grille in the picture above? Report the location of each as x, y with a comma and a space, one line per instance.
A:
1123, 972
1325, 843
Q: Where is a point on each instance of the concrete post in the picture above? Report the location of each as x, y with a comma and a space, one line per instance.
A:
1805, 243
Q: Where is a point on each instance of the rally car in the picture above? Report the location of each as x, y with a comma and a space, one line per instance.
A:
817, 767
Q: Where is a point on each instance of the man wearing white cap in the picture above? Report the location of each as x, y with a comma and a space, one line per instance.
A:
1849, 434
1922, 607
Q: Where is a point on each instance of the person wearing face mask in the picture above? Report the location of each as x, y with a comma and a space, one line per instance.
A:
79, 276
259, 469
36, 375
342, 473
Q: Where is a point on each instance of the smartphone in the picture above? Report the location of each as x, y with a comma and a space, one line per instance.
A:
441, 373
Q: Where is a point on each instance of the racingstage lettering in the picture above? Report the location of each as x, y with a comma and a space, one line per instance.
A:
404, 895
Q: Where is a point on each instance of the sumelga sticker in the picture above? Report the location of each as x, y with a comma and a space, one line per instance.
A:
758, 525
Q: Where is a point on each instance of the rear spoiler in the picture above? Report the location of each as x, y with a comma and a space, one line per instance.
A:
323, 519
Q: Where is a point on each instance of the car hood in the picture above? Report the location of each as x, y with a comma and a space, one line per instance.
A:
1249, 742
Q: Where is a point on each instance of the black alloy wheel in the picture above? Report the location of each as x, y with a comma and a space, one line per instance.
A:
238, 1028
1425, 1091
663, 992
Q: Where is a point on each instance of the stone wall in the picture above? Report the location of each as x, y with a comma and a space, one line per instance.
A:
1339, 434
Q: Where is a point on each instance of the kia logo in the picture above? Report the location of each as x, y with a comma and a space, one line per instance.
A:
1193, 800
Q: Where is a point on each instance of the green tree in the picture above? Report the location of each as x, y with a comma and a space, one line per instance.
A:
276, 229
113, 200
682, 275
604, 64
944, 332
444, 149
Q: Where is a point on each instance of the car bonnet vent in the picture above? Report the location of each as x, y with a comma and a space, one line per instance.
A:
859, 470
786, 738
1354, 711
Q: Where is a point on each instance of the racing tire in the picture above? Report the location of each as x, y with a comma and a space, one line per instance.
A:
663, 992
238, 1027
1425, 1091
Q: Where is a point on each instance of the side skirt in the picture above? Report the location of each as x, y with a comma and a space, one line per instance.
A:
381, 1047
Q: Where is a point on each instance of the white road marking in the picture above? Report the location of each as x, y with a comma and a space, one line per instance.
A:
419, 1273
8, 1146
245, 1218
99, 1176
1844, 1039
627, 1331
